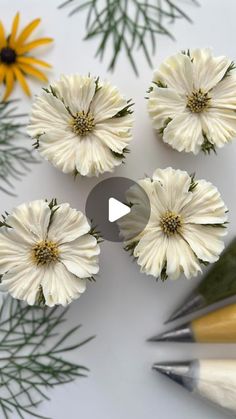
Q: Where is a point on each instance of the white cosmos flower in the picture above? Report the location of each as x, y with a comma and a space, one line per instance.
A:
82, 125
185, 228
193, 101
46, 253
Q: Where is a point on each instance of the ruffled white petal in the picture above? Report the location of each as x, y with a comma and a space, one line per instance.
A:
206, 205
30, 221
47, 112
219, 126
13, 250
172, 189
67, 224
23, 281
182, 75
93, 158
198, 238
107, 102
208, 70
151, 252
115, 133
180, 259
177, 73
60, 286
60, 280
223, 94
80, 257
52, 124
206, 241
76, 91
60, 148
164, 103
184, 133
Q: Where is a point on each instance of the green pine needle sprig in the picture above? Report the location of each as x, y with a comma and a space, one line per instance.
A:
14, 157
32, 357
128, 25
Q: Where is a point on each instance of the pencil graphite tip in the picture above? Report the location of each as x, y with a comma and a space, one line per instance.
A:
194, 303
178, 372
180, 334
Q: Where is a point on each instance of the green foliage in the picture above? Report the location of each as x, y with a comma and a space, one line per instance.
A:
14, 159
207, 146
193, 183
31, 356
128, 24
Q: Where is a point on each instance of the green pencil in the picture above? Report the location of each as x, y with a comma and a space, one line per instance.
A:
218, 284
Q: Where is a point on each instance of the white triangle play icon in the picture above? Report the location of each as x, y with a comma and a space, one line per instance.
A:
116, 210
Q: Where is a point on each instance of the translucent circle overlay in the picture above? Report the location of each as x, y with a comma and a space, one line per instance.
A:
129, 193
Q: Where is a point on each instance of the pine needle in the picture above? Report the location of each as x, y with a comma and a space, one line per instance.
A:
31, 357
14, 158
128, 25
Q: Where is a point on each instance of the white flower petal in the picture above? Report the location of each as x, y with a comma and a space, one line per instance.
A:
47, 112
177, 73
23, 281
60, 148
184, 133
208, 70
175, 185
80, 257
115, 133
60, 286
205, 241
53, 122
76, 91
164, 103
13, 249
219, 126
30, 220
206, 205
180, 259
223, 94
176, 252
107, 102
67, 225
93, 158
151, 252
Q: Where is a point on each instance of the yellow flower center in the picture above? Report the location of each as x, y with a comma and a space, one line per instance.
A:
198, 101
45, 252
170, 223
83, 123
7, 55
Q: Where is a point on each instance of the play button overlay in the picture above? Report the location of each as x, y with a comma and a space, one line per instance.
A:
118, 209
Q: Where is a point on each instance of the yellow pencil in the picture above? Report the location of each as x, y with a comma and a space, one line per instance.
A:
216, 327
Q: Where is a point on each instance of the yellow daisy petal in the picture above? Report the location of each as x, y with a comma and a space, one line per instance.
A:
32, 61
2, 72
3, 41
9, 83
34, 44
14, 29
27, 32
21, 79
28, 69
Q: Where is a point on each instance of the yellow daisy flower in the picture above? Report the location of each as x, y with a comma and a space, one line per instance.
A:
15, 63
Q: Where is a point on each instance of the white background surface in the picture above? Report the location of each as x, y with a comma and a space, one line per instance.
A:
124, 307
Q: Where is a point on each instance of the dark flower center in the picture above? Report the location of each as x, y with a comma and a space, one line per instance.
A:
7, 55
